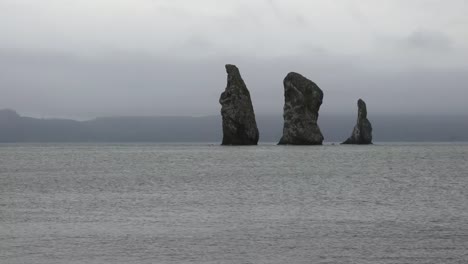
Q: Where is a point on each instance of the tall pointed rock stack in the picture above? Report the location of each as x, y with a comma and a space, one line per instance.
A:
362, 132
303, 99
239, 125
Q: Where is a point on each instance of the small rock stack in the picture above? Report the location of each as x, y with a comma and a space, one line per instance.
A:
362, 132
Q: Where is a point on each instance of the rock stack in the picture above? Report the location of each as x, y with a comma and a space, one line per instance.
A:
362, 132
239, 125
303, 99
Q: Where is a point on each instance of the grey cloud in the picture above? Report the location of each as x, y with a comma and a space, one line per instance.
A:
198, 41
285, 16
167, 57
274, 8
67, 86
431, 40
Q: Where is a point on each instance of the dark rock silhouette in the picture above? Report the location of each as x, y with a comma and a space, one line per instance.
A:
239, 125
303, 99
362, 132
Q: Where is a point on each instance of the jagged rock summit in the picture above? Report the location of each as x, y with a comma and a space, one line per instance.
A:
239, 125
303, 99
362, 132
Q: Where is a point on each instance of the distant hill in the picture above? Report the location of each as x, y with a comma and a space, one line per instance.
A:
336, 128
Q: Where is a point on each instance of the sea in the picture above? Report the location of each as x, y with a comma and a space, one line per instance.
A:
204, 203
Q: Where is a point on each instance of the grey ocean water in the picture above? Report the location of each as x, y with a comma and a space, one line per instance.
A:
150, 203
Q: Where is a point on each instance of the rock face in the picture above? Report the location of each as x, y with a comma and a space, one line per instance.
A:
303, 99
362, 133
239, 125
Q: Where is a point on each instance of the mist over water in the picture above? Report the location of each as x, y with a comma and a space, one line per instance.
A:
166, 203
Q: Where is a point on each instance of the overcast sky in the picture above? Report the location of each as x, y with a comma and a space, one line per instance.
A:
87, 58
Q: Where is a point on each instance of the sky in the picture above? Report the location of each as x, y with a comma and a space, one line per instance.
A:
88, 58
